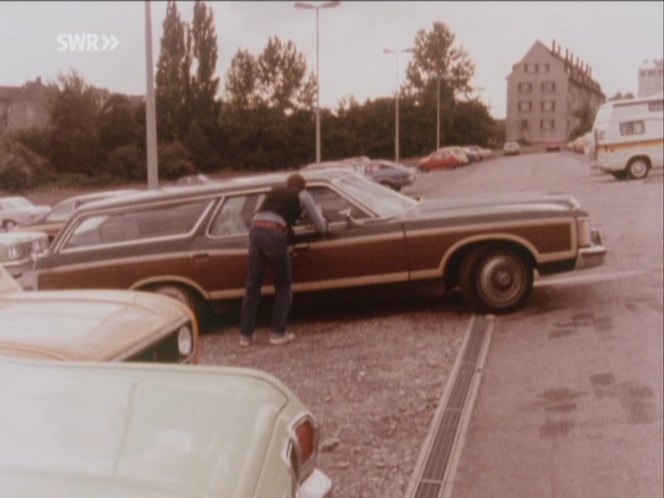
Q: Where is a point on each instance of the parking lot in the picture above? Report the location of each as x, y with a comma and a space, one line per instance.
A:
372, 366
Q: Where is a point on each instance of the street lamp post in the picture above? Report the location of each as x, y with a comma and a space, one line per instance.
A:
325, 5
437, 111
396, 99
150, 106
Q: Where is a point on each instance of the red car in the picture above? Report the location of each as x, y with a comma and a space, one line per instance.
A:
438, 160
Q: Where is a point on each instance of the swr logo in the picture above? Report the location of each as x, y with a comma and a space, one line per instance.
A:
86, 42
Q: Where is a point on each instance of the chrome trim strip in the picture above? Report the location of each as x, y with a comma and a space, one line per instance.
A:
320, 285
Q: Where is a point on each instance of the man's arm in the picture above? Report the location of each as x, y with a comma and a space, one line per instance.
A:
313, 212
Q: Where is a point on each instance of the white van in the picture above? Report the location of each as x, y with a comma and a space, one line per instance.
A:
628, 136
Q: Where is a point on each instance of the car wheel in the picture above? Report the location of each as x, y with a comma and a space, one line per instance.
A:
9, 225
178, 293
638, 169
495, 280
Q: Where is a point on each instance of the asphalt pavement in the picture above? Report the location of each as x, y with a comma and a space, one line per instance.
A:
570, 399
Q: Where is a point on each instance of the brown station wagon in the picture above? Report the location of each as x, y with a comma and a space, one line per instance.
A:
191, 242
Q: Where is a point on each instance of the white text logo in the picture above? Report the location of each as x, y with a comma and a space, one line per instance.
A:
86, 42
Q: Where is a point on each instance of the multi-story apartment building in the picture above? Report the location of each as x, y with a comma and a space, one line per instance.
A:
544, 91
651, 78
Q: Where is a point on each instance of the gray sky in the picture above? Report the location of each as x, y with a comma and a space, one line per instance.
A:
614, 38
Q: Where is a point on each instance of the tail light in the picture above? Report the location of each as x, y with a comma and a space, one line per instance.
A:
584, 233
303, 449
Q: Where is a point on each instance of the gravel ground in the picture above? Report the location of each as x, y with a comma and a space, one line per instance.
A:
371, 367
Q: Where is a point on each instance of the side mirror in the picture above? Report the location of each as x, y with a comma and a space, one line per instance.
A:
350, 221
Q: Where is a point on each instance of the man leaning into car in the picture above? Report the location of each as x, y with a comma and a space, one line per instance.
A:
269, 237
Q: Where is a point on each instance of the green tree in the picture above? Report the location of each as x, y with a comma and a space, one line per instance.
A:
281, 75
241, 81
584, 118
204, 84
172, 79
276, 78
74, 115
117, 123
435, 56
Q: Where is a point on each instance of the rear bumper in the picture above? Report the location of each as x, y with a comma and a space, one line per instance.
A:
590, 257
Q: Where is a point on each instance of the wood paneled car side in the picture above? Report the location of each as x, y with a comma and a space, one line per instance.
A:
191, 243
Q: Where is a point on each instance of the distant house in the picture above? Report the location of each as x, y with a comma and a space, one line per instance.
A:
544, 90
24, 106
651, 79
27, 106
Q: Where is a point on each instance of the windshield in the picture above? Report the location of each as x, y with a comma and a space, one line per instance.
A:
381, 200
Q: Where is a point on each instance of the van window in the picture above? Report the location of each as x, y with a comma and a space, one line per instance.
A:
628, 128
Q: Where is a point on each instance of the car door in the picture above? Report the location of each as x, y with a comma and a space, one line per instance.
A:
364, 252
360, 249
219, 253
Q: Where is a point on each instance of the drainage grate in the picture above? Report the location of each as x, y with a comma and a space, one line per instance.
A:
436, 462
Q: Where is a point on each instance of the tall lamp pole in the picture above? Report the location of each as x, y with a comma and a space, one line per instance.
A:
396, 99
437, 111
311, 6
150, 106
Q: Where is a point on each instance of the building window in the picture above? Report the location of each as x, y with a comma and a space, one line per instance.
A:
525, 87
524, 124
545, 67
548, 86
656, 106
632, 128
525, 105
548, 105
531, 68
547, 124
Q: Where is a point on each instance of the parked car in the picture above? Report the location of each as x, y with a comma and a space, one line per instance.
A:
440, 159
18, 210
552, 147
511, 148
193, 179
18, 250
459, 153
95, 325
80, 430
480, 153
192, 243
387, 173
52, 221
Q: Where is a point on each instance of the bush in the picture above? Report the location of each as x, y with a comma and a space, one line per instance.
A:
126, 162
21, 168
174, 161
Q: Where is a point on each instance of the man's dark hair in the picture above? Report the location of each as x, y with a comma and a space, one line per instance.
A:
296, 181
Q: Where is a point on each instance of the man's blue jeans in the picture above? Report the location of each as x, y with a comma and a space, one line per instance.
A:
267, 247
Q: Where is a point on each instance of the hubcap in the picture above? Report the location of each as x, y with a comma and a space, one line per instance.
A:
502, 280
638, 169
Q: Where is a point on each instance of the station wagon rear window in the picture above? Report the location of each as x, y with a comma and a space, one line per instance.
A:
151, 222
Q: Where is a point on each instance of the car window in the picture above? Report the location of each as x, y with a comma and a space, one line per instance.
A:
235, 215
332, 204
61, 212
139, 224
